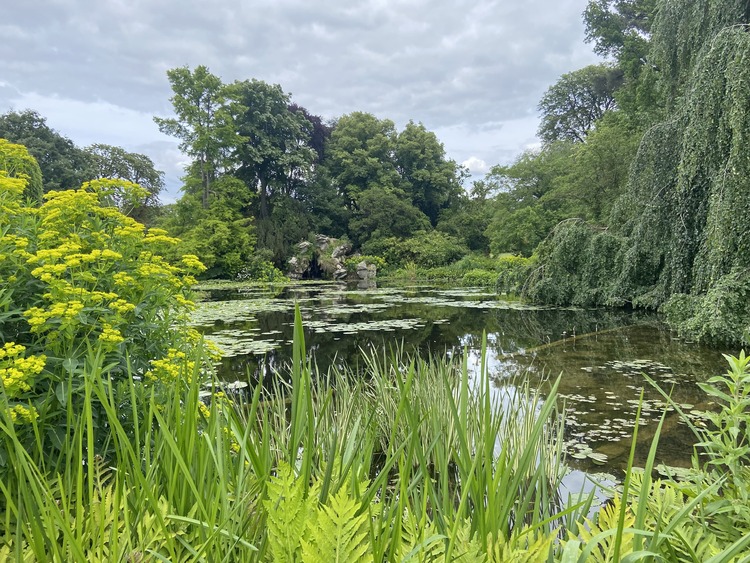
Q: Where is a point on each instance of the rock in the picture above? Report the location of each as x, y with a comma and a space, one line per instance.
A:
366, 271
322, 258
342, 250
297, 267
323, 242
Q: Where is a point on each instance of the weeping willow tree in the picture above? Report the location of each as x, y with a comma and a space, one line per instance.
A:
15, 161
681, 233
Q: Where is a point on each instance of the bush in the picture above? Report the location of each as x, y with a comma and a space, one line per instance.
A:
261, 269
512, 273
479, 277
426, 249
79, 279
721, 315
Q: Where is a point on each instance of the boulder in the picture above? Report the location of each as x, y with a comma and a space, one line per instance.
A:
341, 251
366, 271
297, 267
323, 257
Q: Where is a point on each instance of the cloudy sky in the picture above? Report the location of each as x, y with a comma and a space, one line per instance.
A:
471, 71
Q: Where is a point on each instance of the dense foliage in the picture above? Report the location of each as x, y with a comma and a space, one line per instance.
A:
79, 277
678, 235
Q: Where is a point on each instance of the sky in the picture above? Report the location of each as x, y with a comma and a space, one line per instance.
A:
470, 71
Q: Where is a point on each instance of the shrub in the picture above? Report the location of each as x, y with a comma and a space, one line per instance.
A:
427, 249
479, 277
260, 269
512, 273
77, 276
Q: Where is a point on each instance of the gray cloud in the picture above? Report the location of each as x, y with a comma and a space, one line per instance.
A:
469, 66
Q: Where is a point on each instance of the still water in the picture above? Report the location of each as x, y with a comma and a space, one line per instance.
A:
601, 355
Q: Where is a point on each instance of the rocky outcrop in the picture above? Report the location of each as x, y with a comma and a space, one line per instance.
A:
322, 259
366, 271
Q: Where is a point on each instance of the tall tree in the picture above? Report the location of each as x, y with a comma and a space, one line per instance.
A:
361, 155
203, 124
63, 165
619, 28
275, 155
572, 105
678, 237
382, 213
431, 180
107, 161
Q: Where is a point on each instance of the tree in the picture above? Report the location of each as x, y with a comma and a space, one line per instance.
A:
361, 155
518, 231
531, 196
678, 236
619, 28
427, 176
317, 131
63, 165
468, 218
222, 236
107, 161
382, 213
275, 156
203, 124
571, 106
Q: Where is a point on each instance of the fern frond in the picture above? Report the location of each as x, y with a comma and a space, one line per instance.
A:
288, 510
607, 519
420, 541
466, 546
336, 533
523, 547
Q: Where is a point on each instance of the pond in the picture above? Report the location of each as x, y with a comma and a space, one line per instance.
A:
601, 354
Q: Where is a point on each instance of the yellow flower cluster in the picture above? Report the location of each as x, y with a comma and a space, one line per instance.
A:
110, 335
234, 446
122, 307
172, 368
123, 279
159, 236
20, 413
204, 410
19, 242
192, 263
64, 311
16, 371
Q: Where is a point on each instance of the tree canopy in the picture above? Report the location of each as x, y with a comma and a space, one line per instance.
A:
63, 165
571, 107
678, 235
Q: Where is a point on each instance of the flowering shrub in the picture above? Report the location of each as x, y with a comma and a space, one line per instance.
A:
78, 277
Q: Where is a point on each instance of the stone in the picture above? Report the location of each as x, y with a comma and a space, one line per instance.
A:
342, 250
366, 271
